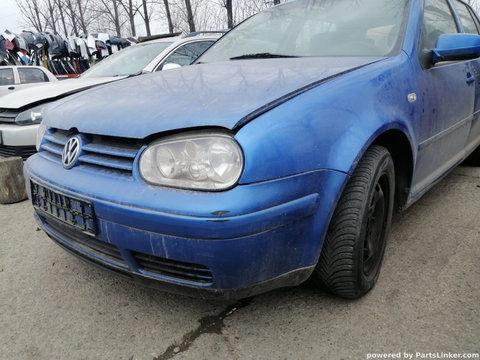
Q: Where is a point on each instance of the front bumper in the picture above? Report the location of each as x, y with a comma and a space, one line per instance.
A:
17, 140
231, 244
16, 135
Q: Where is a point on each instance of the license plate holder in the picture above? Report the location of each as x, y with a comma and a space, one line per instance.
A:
68, 209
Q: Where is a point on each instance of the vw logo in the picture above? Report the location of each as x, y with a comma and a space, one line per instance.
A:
71, 152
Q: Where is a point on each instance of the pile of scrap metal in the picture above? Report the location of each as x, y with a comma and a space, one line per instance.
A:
62, 57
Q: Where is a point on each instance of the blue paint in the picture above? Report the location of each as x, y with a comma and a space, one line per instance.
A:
302, 124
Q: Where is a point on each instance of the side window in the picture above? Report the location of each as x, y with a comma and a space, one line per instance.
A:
28, 76
187, 53
468, 23
6, 77
475, 18
437, 20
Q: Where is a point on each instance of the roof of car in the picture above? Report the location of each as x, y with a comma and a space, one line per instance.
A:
23, 66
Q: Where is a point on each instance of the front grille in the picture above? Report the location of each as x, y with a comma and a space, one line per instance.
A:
105, 152
8, 116
83, 241
172, 268
23, 151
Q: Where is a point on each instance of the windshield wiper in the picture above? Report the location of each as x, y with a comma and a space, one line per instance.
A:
264, 55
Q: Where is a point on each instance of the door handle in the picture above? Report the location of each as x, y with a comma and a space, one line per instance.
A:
11, 88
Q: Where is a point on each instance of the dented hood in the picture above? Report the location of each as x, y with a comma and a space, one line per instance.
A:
215, 94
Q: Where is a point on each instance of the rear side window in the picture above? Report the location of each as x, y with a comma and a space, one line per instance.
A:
187, 53
437, 20
28, 76
468, 22
6, 77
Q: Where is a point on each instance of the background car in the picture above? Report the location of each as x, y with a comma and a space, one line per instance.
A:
20, 77
279, 155
21, 112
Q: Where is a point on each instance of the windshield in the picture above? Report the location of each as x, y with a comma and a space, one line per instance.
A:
316, 28
129, 61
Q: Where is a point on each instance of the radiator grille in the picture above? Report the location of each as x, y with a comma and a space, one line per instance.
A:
24, 151
114, 154
8, 116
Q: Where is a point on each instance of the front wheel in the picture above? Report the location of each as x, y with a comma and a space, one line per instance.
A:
353, 248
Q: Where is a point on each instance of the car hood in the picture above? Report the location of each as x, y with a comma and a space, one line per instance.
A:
215, 94
41, 93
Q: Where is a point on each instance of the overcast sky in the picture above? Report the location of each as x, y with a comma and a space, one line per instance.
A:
10, 17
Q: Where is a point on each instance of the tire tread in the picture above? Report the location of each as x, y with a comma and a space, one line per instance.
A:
336, 269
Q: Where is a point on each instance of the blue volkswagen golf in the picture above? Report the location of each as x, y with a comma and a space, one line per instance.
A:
279, 156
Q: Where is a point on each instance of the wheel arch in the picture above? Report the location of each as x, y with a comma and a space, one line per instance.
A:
400, 148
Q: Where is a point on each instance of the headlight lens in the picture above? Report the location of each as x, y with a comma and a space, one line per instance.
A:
197, 161
40, 132
30, 116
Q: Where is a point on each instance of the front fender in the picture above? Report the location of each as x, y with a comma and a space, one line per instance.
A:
332, 125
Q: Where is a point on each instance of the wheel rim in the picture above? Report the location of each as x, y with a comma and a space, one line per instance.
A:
377, 217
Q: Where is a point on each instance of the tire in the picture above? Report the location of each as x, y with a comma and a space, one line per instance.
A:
353, 248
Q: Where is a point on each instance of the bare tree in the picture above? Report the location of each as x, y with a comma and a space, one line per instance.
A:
32, 10
228, 6
110, 10
59, 6
190, 19
118, 16
81, 17
72, 15
169, 16
51, 18
146, 17
131, 10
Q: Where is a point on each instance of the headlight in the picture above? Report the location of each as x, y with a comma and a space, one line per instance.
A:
40, 132
30, 116
197, 161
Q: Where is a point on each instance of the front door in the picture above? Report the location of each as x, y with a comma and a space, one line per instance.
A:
446, 121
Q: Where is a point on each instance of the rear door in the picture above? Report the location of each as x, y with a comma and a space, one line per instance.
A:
21, 77
7, 80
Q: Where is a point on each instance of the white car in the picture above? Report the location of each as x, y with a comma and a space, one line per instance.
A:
21, 111
14, 78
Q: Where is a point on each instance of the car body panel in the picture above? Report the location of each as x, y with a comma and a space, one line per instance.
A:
251, 85
303, 125
328, 122
48, 92
14, 135
18, 85
23, 99
217, 229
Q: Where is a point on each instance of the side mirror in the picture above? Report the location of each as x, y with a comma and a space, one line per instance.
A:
453, 47
170, 66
